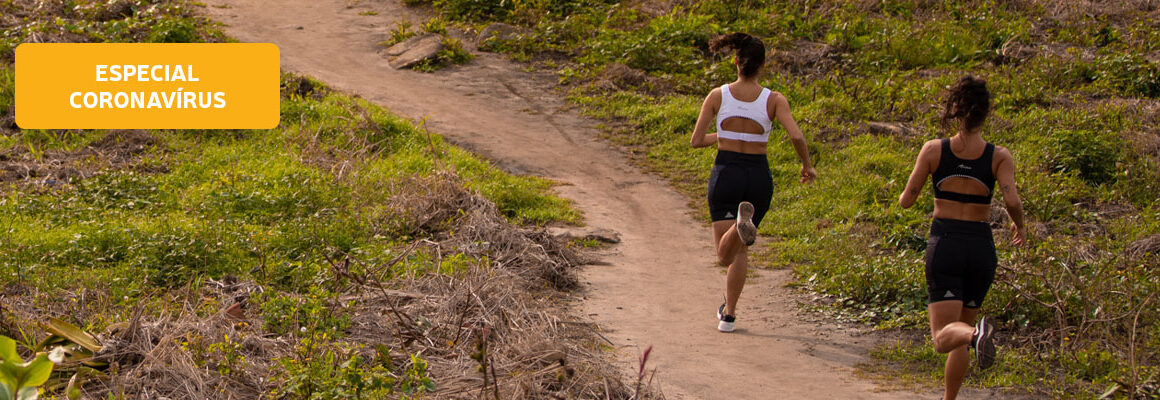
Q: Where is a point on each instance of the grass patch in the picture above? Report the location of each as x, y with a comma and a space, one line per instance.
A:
1070, 93
185, 237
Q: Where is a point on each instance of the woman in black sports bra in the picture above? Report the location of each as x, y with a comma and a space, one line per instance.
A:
741, 185
960, 254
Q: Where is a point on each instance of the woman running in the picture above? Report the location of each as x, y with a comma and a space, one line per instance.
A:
741, 185
960, 255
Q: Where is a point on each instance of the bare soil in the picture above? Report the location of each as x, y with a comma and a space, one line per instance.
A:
659, 287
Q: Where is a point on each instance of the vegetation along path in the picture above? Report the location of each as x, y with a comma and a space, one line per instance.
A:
659, 286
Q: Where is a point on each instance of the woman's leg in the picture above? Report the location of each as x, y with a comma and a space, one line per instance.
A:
731, 252
951, 327
727, 241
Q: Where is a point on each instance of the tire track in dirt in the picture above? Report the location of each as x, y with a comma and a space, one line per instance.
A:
659, 286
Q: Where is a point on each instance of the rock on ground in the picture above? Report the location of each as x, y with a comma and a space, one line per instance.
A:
410, 52
890, 128
496, 32
598, 234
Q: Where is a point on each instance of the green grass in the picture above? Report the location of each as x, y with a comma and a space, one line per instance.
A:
233, 199
268, 207
1070, 95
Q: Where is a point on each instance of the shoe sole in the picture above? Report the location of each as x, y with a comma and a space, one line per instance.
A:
745, 228
985, 347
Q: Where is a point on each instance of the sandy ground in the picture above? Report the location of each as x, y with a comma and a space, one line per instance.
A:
659, 286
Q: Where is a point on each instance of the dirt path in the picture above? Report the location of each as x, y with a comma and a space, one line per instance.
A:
660, 286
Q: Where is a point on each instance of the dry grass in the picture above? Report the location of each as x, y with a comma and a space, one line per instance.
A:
511, 301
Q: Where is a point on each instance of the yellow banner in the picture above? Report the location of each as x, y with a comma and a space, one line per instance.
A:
147, 86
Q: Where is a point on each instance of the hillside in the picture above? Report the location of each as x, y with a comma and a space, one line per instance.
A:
1076, 88
347, 253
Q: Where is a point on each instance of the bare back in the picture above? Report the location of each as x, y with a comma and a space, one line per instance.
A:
968, 149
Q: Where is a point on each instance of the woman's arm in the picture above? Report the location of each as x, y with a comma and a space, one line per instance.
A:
701, 137
785, 118
1006, 177
918, 175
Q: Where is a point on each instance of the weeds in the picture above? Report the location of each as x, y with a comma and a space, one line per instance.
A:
452, 53
212, 261
1070, 93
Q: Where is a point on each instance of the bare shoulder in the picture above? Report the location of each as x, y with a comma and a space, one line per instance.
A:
1002, 154
777, 98
712, 100
776, 102
932, 146
714, 96
931, 151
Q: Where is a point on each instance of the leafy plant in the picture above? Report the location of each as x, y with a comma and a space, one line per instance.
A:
1132, 75
337, 371
453, 52
436, 26
475, 10
286, 313
226, 356
1091, 155
20, 380
401, 32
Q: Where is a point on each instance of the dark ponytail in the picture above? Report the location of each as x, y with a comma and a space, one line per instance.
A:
750, 51
968, 101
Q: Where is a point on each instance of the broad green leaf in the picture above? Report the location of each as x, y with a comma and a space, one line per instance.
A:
8, 350
73, 334
28, 393
36, 372
6, 392
9, 374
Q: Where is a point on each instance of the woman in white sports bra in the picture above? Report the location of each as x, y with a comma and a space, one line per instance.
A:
741, 185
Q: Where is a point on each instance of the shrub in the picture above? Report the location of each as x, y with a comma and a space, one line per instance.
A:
1131, 75
174, 30
672, 43
475, 10
339, 371
287, 313
1093, 156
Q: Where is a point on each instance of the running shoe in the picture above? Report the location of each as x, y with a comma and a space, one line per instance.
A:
725, 322
745, 227
984, 343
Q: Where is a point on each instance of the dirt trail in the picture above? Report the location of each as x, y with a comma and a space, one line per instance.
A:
660, 286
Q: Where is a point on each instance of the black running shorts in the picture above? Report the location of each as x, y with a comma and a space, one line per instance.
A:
738, 177
960, 261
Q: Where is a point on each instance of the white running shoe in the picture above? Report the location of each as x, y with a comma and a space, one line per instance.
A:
725, 322
745, 227
984, 343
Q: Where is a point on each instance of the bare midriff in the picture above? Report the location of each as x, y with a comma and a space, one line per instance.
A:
739, 146
950, 209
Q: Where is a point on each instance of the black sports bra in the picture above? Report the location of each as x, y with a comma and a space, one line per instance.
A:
978, 169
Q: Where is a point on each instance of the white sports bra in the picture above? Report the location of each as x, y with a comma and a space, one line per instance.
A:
755, 111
